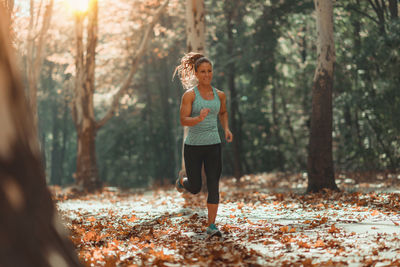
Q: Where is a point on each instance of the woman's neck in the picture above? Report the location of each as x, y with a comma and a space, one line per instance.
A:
204, 87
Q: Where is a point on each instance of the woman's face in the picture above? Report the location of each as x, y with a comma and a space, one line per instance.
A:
204, 73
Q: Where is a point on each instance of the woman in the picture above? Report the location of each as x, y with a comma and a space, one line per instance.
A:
199, 109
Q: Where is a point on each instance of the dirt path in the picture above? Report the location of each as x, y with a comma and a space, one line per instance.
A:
164, 228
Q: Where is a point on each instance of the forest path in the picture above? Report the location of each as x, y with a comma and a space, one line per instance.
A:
165, 228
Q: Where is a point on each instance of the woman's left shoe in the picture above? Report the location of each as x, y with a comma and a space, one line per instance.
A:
212, 230
179, 186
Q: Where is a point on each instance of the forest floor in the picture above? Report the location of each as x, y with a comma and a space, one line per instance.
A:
266, 220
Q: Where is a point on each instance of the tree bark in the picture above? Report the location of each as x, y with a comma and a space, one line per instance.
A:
393, 9
31, 234
230, 14
320, 162
36, 45
82, 106
9, 10
379, 8
87, 177
195, 42
195, 26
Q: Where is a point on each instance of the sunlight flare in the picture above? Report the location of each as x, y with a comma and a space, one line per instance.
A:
78, 6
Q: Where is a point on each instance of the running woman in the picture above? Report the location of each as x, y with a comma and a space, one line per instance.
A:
201, 105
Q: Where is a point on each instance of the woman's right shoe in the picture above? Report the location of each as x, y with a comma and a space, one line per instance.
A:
212, 230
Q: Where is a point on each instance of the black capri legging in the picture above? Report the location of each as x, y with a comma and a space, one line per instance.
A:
194, 157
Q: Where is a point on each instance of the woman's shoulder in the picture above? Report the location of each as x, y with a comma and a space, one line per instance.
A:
220, 93
189, 93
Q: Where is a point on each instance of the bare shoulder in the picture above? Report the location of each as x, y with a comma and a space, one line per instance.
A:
189, 95
221, 94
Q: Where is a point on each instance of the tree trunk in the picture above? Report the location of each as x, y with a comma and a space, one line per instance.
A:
31, 234
234, 105
393, 9
379, 8
166, 107
320, 162
9, 9
87, 176
195, 26
56, 163
36, 45
195, 42
82, 106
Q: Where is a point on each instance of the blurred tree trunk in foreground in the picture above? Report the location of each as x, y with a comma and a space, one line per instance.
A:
30, 233
320, 161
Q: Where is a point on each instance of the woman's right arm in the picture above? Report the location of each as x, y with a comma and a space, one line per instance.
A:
186, 110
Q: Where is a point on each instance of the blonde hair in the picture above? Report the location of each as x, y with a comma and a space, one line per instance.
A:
186, 70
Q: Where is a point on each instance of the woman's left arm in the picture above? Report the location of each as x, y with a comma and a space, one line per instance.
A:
223, 116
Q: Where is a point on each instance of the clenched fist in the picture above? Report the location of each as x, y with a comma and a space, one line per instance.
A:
203, 113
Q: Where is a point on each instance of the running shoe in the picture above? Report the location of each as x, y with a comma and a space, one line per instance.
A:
179, 186
212, 230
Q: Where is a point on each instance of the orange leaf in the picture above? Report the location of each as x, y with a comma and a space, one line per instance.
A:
375, 212
284, 229
333, 229
319, 243
89, 236
303, 244
132, 219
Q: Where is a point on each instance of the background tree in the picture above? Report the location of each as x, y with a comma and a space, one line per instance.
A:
320, 161
274, 54
39, 23
195, 42
83, 105
31, 233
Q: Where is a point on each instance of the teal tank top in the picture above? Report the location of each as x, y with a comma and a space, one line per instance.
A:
206, 131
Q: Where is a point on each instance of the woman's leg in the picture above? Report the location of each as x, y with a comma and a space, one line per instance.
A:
212, 213
213, 167
193, 161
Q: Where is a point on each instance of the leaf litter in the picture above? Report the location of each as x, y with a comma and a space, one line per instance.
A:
265, 221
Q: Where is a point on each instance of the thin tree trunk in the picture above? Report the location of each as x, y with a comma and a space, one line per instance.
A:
31, 234
234, 105
56, 163
9, 9
275, 126
379, 8
165, 96
35, 53
195, 42
320, 161
82, 106
394, 9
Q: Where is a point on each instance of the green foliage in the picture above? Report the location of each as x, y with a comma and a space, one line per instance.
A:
269, 48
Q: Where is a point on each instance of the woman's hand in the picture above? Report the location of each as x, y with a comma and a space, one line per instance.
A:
228, 136
203, 113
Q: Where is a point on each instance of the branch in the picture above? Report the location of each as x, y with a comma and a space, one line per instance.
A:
373, 6
45, 27
359, 11
134, 66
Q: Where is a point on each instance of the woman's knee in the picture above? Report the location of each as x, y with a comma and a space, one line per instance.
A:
213, 198
195, 190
